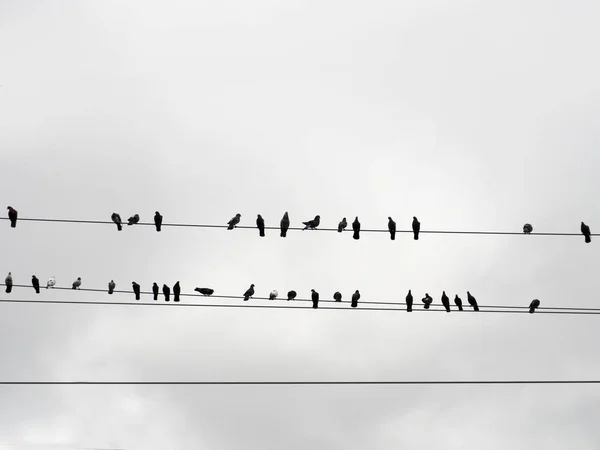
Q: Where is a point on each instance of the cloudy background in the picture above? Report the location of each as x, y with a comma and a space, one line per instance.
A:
469, 115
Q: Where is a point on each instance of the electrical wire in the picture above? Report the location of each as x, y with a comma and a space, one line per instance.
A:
300, 383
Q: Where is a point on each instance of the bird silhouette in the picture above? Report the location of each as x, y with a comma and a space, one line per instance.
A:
234, 221
337, 296
355, 298
356, 229
249, 293
136, 289
535, 303
342, 225
291, 295
527, 228
8, 281
77, 283
409, 301
158, 221
472, 301
273, 295
416, 226
166, 292
12, 216
392, 228
117, 220
445, 301
458, 302
585, 230
427, 300
312, 224
315, 298
111, 286
155, 290
36, 284
260, 224
176, 292
133, 219
284, 224
207, 292
51, 282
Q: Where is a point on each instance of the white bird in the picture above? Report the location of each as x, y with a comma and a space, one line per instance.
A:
77, 283
51, 282
273, 295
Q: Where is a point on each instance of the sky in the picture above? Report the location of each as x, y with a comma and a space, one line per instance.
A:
469, 115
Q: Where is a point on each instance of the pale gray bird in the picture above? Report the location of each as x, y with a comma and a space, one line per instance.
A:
111, 286
249, 293
535, 303
133, 219
285, 224
77, 283
234, 221
51, 282
342, 225
527, 228
9, 283
312, 224
273, 295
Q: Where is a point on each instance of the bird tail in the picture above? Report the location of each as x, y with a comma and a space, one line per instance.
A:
531, 310
119, 227
416, 235
74, 287
339, 229
460, 308
588, 238
8, 289
426, 305
409, 309
476, 308
158, 228
393, 236
13, 225
262, 233
283, 233
230, 227
356, 235
37, 290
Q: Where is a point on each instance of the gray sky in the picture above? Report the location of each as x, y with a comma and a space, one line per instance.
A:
473, 116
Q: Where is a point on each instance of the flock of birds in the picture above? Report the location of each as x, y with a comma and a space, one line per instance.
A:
291, 295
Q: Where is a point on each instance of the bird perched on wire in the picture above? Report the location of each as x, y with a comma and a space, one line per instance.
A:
337, 296
416, 227
158, 221
356, 229
12, 216
312, 224
111, 287
284, 224
176, 292
342, 225
133, 219
116, 218
427, 300
260, 224
77, 283
392, 228
249, 293
166, 292
472, 301
527, 228
136, 289
535, 303
445, 301
355, 298
155, 290
291, 295
315, 298
458, 302
273, 295
35, 283
409, 301
8, 281
51, 283
234, 221
207, 292
585, 230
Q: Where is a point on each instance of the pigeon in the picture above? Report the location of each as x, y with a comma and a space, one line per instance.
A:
136, 289
458, 302
133, 219
416, 226
315, 298
260, 224
155, 291
9, 283
392, 228
409, 301
585, 230
111, 286
249, 293
291, 295
355, 298
337, 296
234, 221
117, 219
445, 301
51, 282
36, 284
472, 301
273, 295
312, 224
356, 228
207, 292
176, 292
77, 283
342, 225
12, 215
535, 303
285, 224
158, 221
427, 300
167, 292
527, 228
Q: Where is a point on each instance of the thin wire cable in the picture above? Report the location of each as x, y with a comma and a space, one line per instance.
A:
247, 227
300, 383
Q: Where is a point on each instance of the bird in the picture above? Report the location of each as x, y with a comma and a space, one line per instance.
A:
51, 282
249, 293
166, 292
291, 295
458, 302
9, 283
356, 228
12, 216
585, 230
355, 298
136, 289
392, 228
472, 301
445, 301
427, 300
312, 224
535, 303
284, 224
133, 219
315, 298
527, 228
273, 295
116, 218
77, 283
342, 225
260, 224
155, 290
207, 292
337, 296
111, 286
35, 283
158, 221
416, 226
176, 292
234, 221
409, 301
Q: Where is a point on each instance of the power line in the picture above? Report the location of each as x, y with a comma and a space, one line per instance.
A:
298, 383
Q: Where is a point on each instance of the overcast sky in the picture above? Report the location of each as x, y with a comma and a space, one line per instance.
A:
469, 115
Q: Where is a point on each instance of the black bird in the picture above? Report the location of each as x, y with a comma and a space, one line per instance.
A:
392, 228
458, 302
312, 224
534, 305
36, 284
409, 301
355, 298
155, 290
176, 292
416, 226
12, 215
337, 296
111, 287
527, 228
166, 292
445, 301
234, 221
315, 298
260, 224
117, 219
342, 225
207, 292
8, 281
427, 300
133, 219
284, 224
136, 289
249, 293
158, 221
356, 228
291, 295
472, 301
585, 230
